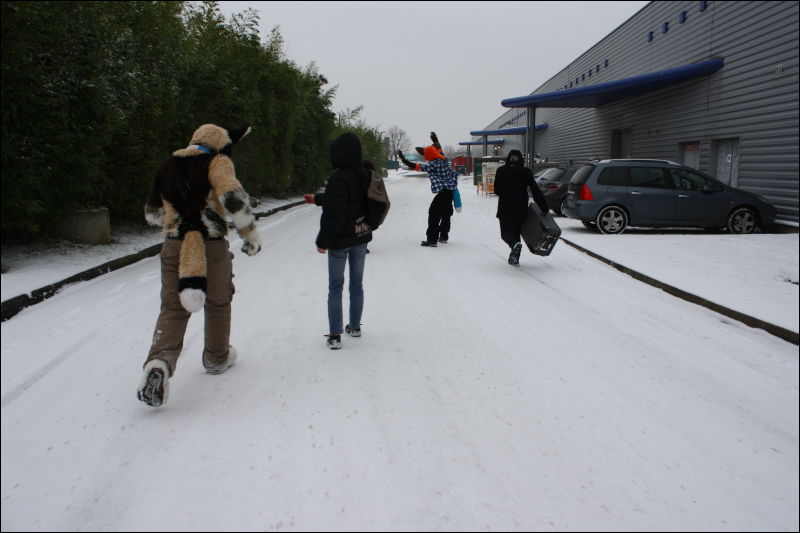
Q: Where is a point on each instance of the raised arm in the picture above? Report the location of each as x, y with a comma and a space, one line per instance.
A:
406, 162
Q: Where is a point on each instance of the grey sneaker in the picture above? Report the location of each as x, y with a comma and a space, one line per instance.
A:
154, 385
353, 332
334, 342
222, 367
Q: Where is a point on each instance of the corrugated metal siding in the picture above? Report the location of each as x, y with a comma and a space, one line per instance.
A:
745, 100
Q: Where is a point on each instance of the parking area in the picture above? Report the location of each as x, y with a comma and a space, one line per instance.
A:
753, 274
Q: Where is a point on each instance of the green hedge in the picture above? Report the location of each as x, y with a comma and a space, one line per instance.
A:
96, 94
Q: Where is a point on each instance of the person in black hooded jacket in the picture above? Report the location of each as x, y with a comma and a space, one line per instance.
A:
511, 184
344, 233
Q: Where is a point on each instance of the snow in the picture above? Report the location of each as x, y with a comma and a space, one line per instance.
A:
754, 274
30, 267
560, 395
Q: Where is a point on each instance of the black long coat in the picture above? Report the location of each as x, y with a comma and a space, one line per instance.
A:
510, 184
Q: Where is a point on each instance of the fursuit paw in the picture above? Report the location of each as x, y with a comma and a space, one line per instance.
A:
251, 247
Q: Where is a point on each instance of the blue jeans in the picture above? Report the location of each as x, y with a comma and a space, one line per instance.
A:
336, 263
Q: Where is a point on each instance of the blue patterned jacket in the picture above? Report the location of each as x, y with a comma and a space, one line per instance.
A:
441, 175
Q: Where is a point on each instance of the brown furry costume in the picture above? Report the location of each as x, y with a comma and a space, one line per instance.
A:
192, 194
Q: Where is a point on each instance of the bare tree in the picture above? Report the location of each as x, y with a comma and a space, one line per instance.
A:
398, 140
449, 152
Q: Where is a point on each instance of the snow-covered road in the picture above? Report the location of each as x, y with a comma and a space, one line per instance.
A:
560, 395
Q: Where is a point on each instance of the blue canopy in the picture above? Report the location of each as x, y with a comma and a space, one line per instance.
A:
605, 93
522, 130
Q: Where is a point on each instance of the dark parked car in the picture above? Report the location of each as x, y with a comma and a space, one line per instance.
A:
553, 182
616, 193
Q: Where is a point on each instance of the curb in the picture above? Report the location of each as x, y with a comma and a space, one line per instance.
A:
12, 306
778, 331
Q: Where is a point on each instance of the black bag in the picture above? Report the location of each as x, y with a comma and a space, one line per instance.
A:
540, 231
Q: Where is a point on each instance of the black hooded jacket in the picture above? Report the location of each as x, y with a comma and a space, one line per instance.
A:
344, 210
510, 184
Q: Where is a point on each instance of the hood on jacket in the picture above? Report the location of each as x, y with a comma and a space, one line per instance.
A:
432, 153
346, 151
515, 158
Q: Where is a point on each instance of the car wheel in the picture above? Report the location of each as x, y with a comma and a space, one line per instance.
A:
562, 206
742, 220
611, 220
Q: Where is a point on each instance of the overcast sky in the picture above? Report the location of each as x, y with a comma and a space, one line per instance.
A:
436, 66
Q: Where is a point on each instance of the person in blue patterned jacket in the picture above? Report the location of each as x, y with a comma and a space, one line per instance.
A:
443, 181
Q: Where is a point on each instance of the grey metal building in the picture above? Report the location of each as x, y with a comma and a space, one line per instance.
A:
713, 85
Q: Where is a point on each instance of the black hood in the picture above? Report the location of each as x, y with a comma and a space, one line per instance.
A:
346, 151
515, 158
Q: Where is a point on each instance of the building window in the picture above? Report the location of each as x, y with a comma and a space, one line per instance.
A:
665, 27
703, 6
682, 17
650, 37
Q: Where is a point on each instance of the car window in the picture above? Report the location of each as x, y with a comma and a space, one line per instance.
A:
686, 180
549, 173
580, 176
649, 177
613, 176
568, 174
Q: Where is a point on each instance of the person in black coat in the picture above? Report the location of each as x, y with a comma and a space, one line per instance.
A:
344, 233
511, 184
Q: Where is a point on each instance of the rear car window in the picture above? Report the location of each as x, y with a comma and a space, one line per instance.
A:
649, 177
580, 176
568, 174
550, 173
613, 176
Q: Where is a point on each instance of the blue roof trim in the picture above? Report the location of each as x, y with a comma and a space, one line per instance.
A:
489, 141
604, 93
508, 131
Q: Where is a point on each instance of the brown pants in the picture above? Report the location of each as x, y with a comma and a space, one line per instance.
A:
173, 319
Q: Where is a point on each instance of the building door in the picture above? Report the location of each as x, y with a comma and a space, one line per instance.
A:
621, 143
690, 155
726, 161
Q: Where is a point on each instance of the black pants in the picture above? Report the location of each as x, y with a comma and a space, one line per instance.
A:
439, 214
509, 230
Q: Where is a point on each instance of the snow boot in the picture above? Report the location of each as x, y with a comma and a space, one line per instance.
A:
334, 342
353, 332
154, 386
443, 238
222, 367
432, 244
513, 257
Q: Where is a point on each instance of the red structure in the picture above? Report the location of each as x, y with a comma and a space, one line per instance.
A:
462, 164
